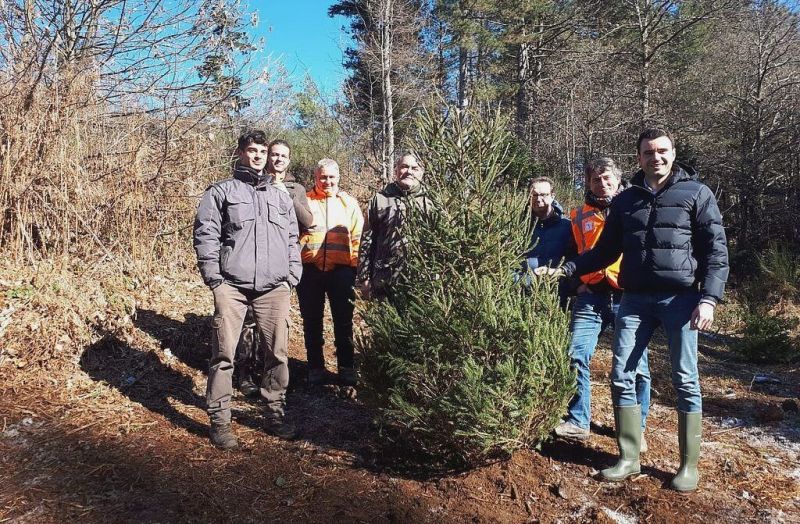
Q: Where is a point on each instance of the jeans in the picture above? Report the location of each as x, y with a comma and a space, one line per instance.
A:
591, 314
337, 284
638, 317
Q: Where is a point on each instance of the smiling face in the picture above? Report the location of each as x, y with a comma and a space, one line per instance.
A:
326, 178
408, 173
253, 156
655, 157
278, 161
604, 185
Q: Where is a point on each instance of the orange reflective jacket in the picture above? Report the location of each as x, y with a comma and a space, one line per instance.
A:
587, 224
336, 235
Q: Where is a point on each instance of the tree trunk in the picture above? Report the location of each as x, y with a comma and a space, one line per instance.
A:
386, 91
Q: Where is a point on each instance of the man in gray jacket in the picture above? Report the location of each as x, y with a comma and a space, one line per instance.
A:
245, 236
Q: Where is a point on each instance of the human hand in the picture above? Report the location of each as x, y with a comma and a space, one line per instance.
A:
544, 271
702, 317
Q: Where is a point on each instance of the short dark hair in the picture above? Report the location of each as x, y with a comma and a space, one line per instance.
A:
279, 142
601, 165
254, 136
651, 133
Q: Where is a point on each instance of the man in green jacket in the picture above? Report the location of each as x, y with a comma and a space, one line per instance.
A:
382, 242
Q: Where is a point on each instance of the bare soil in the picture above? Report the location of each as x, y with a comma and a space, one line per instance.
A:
120, 435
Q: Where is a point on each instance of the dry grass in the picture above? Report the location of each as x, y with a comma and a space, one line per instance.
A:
79, 181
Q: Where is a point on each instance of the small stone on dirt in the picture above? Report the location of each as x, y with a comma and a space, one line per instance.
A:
790, 405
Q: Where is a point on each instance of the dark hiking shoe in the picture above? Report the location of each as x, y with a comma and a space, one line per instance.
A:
347, 377
248, 388
278, 427
222, 436
316, 377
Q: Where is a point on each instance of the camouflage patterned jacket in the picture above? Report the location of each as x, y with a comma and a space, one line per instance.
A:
382, 243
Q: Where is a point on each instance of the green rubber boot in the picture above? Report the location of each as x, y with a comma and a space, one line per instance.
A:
628, 420
689, 430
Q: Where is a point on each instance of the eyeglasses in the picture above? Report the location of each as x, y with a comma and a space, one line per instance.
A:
535, 196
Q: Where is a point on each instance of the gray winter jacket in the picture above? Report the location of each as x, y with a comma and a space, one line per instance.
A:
245, 234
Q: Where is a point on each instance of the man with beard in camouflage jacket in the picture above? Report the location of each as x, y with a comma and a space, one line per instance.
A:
383, 244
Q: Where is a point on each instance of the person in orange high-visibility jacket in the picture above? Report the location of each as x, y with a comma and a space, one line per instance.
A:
597, 300
329, 251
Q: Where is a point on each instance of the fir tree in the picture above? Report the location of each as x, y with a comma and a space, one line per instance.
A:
462, 365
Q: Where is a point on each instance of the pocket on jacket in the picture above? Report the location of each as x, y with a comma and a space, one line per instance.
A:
240, 209
280, 219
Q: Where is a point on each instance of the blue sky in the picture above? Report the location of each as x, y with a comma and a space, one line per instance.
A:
301, 34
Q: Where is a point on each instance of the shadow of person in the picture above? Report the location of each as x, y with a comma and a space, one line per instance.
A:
189, 341
142, 377
581, 454
324, 418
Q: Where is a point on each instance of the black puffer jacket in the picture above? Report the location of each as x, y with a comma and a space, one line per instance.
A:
671, 241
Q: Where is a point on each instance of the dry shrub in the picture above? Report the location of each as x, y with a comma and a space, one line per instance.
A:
48, 314
79, 180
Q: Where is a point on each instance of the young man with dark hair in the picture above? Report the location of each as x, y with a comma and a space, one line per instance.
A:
245, 237
668, 228
250, 353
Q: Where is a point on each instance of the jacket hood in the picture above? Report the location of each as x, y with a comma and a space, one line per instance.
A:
680, 172
250, 176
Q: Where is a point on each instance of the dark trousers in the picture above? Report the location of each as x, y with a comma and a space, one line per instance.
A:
337, 284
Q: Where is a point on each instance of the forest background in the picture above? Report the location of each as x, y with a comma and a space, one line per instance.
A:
116, 114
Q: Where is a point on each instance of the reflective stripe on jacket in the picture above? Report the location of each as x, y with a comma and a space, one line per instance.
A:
336, 235
587, 224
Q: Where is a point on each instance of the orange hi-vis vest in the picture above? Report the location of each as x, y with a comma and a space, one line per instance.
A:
336, 235
587, 224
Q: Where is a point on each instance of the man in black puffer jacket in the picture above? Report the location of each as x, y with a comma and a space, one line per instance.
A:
668, 229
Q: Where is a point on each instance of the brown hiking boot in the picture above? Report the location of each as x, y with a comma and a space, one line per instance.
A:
347, 377
277, 426
222, 436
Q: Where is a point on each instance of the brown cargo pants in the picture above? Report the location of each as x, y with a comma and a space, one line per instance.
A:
271, 311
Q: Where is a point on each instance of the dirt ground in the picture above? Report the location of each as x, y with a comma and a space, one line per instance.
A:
121, 436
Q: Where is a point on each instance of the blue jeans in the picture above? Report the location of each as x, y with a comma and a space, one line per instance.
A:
591, 314
638, 317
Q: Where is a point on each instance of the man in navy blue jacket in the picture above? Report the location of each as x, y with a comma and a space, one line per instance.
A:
668, 228
551, 238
